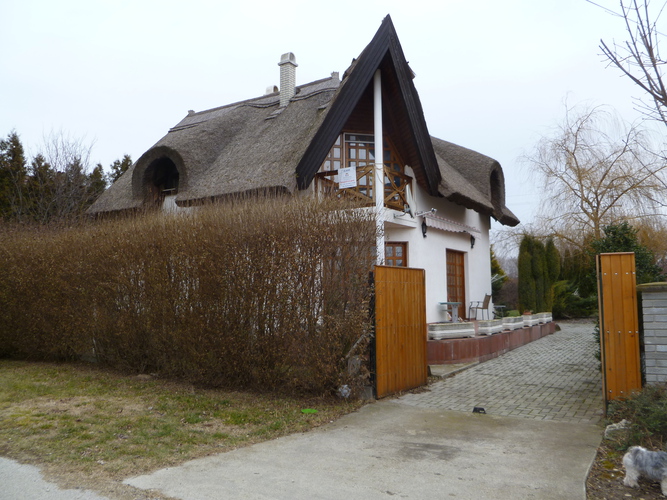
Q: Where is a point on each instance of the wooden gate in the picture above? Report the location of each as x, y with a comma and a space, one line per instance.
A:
619, 326
400, 329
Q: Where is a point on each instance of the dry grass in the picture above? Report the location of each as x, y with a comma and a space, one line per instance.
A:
91, 428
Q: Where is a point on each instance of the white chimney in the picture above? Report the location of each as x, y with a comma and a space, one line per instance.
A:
287, 78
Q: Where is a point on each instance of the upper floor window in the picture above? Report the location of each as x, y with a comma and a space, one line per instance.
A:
358, 151
161, 180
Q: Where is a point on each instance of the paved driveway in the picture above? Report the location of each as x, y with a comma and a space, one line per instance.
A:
555, 378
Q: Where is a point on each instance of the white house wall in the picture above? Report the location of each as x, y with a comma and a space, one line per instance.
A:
430, 253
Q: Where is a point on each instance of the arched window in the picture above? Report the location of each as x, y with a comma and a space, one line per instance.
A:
160, 180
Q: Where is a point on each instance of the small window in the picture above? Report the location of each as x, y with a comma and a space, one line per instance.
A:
396, 254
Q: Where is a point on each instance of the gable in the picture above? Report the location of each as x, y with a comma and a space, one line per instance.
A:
405, 113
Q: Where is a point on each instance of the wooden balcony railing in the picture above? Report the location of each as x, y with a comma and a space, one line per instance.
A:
394, 186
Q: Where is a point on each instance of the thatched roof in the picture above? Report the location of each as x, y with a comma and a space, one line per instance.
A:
257, 146
472, 180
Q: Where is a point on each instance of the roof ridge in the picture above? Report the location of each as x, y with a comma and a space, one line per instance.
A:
249, 102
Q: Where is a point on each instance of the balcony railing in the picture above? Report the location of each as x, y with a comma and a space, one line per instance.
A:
394, 186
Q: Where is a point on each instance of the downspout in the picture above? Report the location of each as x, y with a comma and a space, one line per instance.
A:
378, 183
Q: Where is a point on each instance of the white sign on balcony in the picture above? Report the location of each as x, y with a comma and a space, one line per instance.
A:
347, 177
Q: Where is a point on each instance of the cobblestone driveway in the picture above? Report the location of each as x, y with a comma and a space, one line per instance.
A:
554, 378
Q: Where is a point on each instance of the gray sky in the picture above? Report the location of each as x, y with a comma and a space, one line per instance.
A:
492, 76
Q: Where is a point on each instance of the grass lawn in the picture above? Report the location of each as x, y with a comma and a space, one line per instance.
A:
88, 427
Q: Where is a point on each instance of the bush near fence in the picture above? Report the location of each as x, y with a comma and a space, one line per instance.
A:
264, 294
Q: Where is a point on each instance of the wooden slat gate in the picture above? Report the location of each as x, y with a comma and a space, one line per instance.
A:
400, 329
619, 325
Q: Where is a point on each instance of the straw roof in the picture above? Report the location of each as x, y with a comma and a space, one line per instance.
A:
257, 146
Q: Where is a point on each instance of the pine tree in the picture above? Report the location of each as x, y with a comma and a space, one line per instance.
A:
119, 167
12, 178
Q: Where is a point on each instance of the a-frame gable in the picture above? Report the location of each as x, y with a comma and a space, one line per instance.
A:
383, 52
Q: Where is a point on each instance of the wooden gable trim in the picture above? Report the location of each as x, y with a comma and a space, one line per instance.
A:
349, 93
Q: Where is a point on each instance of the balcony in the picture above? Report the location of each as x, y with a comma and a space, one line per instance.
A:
394, 186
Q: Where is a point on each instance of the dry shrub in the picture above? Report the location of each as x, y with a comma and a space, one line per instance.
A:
269, 293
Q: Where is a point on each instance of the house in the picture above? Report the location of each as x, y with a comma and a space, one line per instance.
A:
438, 197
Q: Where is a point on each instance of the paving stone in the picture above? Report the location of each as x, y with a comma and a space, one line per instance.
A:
554, 378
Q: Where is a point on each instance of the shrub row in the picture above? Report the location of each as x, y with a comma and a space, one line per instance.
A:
255, 294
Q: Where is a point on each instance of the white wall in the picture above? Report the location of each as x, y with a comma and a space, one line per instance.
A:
429, 253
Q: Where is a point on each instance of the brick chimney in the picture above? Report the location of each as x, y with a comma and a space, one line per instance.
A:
287, 78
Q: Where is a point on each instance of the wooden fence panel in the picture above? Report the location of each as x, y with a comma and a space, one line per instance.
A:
400, 329
619, 325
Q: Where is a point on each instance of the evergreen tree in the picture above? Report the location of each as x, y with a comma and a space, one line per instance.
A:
552, 269
12, 177
498, 277
623, 238
526, 278
539, 272
97, 183
119, 167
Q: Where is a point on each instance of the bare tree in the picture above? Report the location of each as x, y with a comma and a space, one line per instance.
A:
595, 172
61, 178
639, 56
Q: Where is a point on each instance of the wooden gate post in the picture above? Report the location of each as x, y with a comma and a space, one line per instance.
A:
619, 325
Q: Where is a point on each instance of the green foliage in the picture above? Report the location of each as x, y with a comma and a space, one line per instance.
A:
539, 266
498, 277
256, 293
553, 260
568, 303
538, 258
647, 412
119, 167
623, 238
12, 176
527, 300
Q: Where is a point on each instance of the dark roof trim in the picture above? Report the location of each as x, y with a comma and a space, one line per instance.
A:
352, 88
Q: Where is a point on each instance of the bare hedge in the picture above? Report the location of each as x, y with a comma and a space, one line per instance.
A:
269, 294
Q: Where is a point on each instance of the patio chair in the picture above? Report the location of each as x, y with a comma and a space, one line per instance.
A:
479, 305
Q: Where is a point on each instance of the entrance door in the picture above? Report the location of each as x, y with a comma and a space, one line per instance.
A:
456, 288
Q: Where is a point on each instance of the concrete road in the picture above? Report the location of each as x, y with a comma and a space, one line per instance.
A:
388, 450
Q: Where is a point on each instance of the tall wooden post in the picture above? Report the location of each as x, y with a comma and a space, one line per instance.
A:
619, 325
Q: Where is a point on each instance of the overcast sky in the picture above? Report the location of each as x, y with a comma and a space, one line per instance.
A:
492, 76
